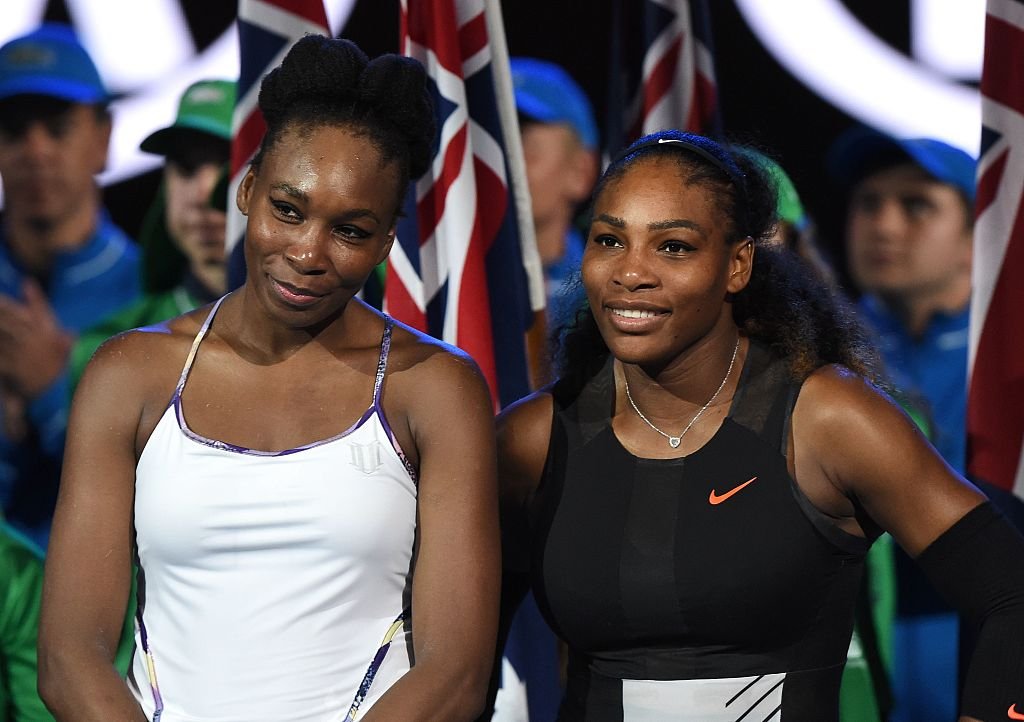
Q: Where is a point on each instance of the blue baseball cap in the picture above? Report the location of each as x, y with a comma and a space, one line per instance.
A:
862, 151
50, 61
546, 93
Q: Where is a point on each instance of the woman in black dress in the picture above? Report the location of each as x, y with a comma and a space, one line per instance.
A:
693, 499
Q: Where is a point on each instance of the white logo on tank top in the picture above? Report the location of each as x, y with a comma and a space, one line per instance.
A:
365, 457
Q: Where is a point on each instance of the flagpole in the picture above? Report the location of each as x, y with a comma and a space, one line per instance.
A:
536, 335
505, 99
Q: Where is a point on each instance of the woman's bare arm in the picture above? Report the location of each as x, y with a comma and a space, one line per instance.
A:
524, 431
848, 435
457, 569
88, 566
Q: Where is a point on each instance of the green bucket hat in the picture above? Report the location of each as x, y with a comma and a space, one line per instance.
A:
206, 107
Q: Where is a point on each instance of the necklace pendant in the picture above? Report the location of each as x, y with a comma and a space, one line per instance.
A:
674, 441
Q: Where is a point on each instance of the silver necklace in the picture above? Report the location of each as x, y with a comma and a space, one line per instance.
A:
674, 441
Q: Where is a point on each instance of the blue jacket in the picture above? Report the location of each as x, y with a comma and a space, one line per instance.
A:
933, 367
84, 286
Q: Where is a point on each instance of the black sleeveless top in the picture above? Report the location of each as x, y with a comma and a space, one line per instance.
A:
712, 568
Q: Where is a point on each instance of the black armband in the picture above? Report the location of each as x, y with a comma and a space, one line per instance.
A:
978, 565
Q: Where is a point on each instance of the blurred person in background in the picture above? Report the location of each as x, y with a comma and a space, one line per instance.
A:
560, 148
63, 264
908, 241
182, 237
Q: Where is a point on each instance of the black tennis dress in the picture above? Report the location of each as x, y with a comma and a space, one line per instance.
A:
702, 588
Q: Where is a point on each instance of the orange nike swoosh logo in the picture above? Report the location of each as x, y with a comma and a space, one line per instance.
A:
716, 499
1012, 713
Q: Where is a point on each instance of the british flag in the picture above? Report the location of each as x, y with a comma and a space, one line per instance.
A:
995, 410
266, 31
464, 268
662, 70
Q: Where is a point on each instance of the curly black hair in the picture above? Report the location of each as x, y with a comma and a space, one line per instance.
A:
785, 305
331, 81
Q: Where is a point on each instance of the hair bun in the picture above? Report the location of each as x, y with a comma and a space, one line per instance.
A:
330, 81
398, 88
339, 65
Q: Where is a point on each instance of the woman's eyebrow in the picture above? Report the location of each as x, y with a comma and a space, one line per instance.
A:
611, 220
675, 223
289, 189
655, 226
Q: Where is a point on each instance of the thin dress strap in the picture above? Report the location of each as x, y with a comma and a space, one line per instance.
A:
382, 366
382, 362
195, 346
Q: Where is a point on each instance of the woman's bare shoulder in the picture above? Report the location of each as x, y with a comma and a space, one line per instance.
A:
836, 397
417, 358
530, 414
524, 434
143, 361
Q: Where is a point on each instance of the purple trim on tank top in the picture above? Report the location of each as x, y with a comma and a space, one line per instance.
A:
150, 662
378, 382
375, 406
225, 446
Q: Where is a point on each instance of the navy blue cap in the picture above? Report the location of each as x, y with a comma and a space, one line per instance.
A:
50, 61
860, 151
546, 93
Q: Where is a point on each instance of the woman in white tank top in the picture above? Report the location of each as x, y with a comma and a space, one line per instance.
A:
305, 486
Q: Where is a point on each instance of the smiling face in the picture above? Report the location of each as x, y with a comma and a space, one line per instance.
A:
321, 215
658, 265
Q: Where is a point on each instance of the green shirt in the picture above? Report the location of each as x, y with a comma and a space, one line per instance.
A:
21, 586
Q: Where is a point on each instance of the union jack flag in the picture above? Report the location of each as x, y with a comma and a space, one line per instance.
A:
266, 31
662, 73
465, 267
995, 420
459, 268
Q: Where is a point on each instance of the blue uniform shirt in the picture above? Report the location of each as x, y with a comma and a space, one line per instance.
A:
559, 275
933, 367
84, 286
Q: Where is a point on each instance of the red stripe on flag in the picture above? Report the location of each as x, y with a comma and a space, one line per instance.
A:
247, 140
430, 27
662, 76
1003, 77
492, 194
988, 184
994, 419
431, 206
473, 36
475, 335
705, 101
312, 10
400, 304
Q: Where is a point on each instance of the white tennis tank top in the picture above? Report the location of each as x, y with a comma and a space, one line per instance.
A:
273, 585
